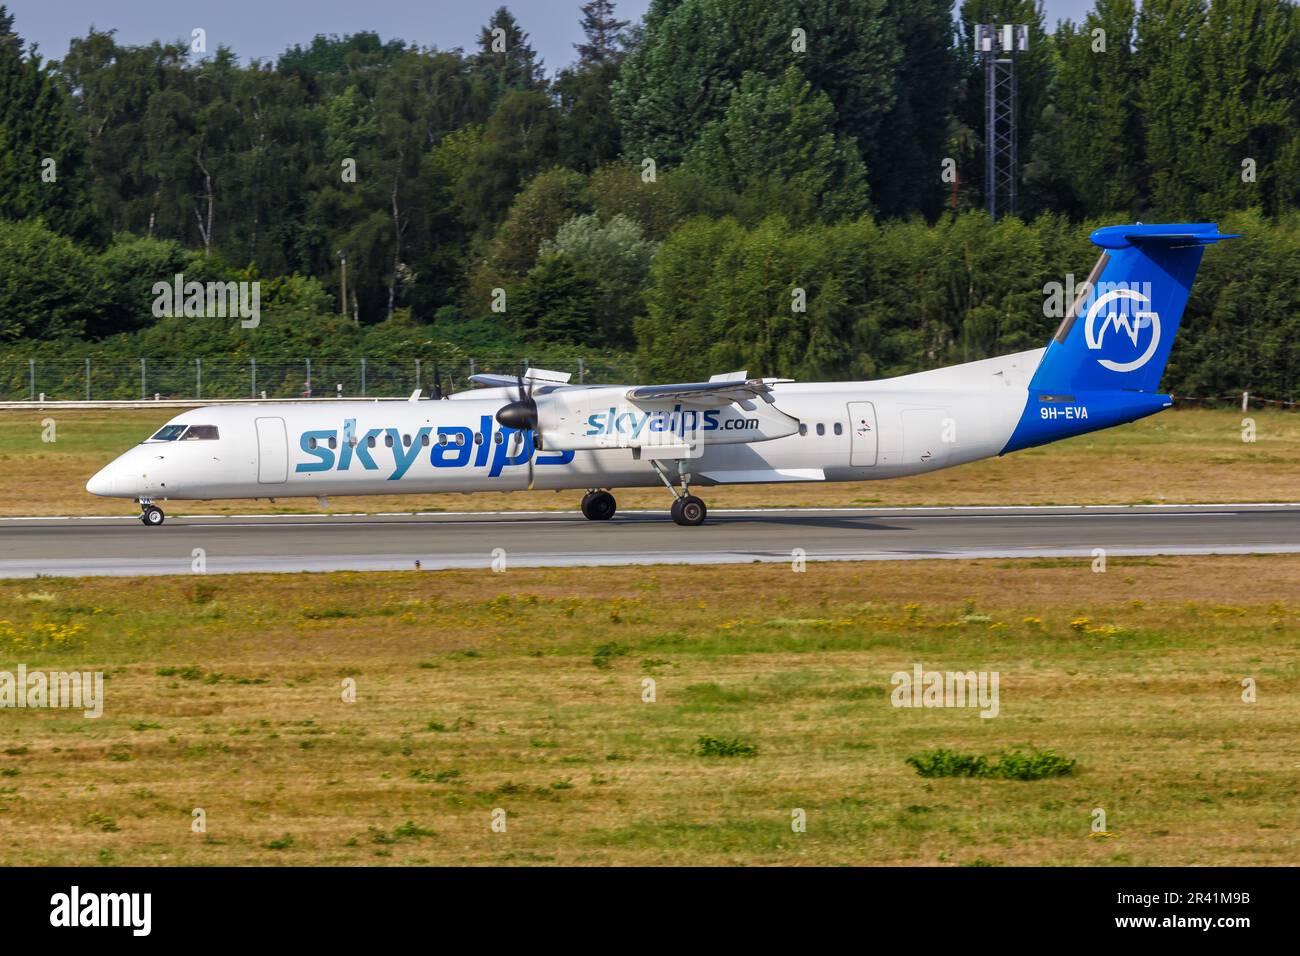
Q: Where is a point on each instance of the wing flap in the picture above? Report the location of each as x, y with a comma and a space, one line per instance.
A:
705, 393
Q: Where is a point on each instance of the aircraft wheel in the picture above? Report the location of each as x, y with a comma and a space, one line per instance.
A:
599, 505
689, 511
152, 516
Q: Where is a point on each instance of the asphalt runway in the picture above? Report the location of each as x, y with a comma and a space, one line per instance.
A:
226, 544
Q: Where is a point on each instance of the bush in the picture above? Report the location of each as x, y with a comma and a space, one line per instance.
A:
708, 746
948, 763
1013, 765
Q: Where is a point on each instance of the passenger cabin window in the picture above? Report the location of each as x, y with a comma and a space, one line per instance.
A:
839, 428
821, 429
803, 429
424, 439
388, 441
478, 438
201, 433
370, 441
442, 440
460, 438
334, 442
406, 441
168, 433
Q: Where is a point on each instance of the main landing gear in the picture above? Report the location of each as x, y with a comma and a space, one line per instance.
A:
687, 510
598, 505
150, 513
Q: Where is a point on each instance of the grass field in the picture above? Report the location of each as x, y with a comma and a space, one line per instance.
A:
1177, 456
523, 692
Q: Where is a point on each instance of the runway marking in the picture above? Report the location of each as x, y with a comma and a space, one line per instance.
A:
105, 567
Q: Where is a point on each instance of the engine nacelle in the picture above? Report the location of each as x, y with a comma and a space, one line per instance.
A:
593, 418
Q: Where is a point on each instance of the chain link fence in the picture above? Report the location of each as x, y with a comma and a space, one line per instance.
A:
203, 379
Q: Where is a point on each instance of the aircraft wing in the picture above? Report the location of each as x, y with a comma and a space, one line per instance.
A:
538, 376
493, 381
705, 393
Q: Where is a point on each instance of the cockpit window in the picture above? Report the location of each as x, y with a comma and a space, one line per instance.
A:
201, 433
168, 433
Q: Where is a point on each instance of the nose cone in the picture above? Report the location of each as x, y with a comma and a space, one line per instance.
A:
519, 415
103, 483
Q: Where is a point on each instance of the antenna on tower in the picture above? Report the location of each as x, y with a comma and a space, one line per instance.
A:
998, 45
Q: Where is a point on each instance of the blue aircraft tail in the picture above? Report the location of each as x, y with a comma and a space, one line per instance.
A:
1104, 364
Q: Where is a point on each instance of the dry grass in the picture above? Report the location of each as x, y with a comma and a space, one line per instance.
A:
1178, 456
523, 692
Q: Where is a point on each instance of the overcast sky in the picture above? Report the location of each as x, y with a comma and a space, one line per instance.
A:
265, 28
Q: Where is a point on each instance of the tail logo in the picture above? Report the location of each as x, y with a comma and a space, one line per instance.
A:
1132, 320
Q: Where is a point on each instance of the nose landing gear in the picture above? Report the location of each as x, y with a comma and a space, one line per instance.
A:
151, 514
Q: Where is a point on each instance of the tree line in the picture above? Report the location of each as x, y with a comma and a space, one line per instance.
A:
791, 186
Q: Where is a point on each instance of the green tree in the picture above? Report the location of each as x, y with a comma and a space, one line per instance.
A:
777, 144
518, 141
682, 75
122, 96
1088, 152
505, 61
556, 303
589, 133
903, 160
604, 34
1172, 95
550, 199
49, 288
130, 266
1250, 62
617, 257
43, 172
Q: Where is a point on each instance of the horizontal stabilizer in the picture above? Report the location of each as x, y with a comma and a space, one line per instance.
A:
1170, 235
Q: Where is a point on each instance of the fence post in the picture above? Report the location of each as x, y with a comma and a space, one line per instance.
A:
307, 381
363, 378
143, 388
31, 377
252, 368
87, 379
582, 370
417, 374
471, 367
1245, 401
198, 378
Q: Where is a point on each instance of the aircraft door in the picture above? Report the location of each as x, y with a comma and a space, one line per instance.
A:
862, 425
272, 451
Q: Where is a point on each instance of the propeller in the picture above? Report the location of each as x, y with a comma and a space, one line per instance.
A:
521, 415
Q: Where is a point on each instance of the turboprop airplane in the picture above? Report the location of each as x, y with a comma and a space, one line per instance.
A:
539, 430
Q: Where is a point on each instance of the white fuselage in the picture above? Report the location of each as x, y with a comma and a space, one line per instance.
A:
849, 431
